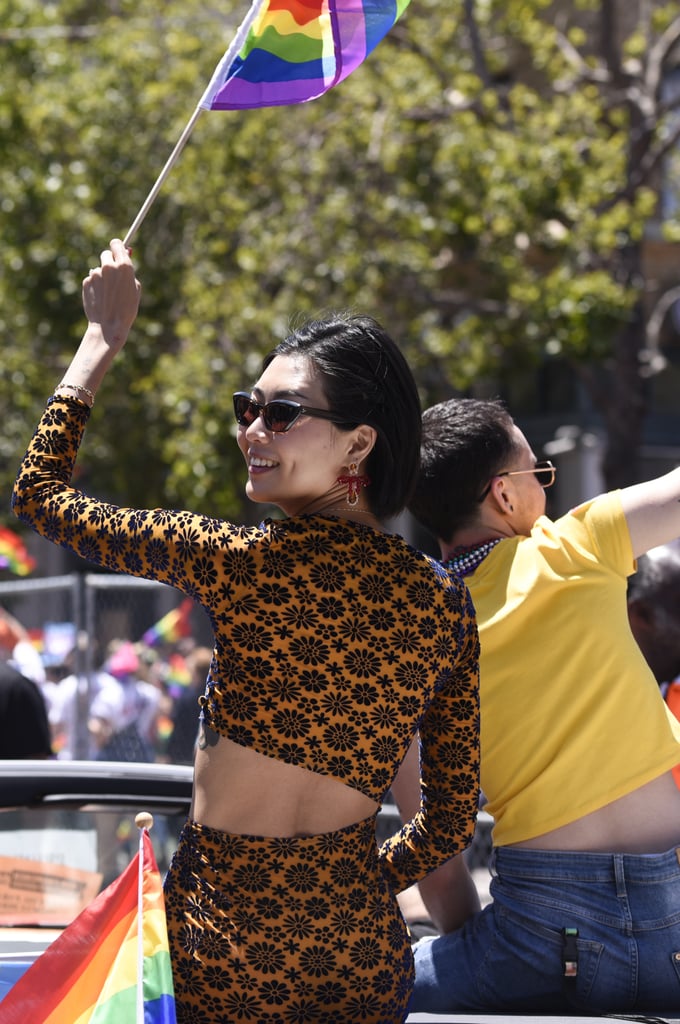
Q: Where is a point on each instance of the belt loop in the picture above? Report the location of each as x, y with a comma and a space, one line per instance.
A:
619, 863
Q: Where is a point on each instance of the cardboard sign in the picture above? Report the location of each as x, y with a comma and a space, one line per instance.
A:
36, 892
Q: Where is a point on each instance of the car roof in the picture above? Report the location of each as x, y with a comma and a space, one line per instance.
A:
58, 783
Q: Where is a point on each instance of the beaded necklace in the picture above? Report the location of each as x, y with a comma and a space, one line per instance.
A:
464, 561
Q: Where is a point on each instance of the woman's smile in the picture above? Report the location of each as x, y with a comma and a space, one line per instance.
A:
259, 464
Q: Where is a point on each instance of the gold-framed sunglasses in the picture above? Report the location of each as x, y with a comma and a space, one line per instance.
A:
545, 471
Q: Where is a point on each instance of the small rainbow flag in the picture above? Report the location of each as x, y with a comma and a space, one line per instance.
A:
177, 672
291, 51
98, 971
13, 553
164, 728
174, 626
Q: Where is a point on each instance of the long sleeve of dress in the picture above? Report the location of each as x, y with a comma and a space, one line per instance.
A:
449, 764
170, 546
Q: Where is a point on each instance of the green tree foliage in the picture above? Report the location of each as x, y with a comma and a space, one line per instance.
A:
481, 184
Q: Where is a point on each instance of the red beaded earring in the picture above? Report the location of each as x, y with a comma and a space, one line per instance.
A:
355, 481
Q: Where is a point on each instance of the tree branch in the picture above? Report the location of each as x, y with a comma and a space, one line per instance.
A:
609, 34
650, 162
658, 55
584, 71
651, 357
479, 60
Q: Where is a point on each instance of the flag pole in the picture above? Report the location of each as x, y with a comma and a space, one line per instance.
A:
143, 821
234, 49
170, 163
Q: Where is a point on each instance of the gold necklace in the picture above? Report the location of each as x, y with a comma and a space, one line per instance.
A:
346, 510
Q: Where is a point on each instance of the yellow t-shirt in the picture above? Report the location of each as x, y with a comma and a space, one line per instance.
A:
571, 716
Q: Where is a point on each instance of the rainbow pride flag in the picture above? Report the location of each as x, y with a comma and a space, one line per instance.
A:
13, 553
97, 971
291, 51
176, 674
174, 626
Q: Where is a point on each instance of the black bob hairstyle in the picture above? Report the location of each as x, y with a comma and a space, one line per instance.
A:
366, 379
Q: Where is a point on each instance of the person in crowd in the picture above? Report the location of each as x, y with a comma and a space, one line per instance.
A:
577, 745
335, 643
128, 728
654, 615
84, 711
181, 745
24, 728
12, 632
17, 649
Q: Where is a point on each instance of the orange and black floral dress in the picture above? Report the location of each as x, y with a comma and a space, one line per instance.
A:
334, 645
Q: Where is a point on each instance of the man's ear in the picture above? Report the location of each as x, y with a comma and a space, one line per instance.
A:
362, 444
501, 495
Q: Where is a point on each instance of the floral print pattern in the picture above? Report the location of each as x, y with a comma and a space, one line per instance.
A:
297, 931
334, 645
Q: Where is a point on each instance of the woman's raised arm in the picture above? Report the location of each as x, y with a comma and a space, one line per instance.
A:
111, 294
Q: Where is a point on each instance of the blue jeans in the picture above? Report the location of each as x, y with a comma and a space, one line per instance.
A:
511, 955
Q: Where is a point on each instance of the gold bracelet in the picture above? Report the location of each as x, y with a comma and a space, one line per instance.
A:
79, 389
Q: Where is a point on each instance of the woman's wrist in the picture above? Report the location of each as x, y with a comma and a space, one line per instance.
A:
75, 391
88, 367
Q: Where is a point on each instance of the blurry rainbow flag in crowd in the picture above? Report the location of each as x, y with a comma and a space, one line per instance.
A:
96, 971
291, 51
13, 553
174, 626
177, 674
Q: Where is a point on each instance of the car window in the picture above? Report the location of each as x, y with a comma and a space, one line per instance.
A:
54, 861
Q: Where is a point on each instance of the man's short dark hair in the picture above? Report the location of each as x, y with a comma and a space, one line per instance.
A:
657, 580
465, 442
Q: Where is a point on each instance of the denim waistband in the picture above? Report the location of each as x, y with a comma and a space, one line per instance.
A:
596, 867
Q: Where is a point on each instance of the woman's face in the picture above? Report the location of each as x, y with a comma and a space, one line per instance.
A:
299, 468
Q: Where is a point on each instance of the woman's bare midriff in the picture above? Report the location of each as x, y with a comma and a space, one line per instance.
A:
644, 821
238, 790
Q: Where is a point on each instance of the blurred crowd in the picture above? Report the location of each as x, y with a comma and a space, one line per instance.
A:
140, 702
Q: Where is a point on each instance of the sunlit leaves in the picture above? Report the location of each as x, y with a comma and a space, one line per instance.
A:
484, 216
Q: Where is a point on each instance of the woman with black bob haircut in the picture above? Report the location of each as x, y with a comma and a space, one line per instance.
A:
335, 642
366, 379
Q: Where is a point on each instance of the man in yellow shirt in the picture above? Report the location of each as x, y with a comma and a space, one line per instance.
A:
577, 745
